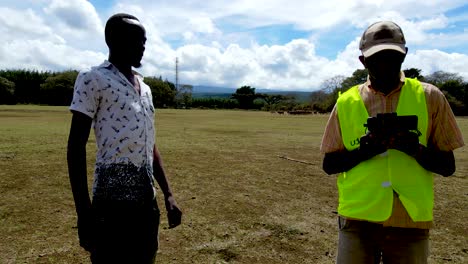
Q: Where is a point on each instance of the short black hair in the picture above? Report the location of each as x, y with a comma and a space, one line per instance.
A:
114, 26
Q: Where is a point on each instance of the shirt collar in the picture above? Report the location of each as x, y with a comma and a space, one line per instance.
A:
108, 65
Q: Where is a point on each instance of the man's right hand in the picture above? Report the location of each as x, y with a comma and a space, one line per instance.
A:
371, 145
86, 231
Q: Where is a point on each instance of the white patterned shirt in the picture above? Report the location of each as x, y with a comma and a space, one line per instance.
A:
123, 123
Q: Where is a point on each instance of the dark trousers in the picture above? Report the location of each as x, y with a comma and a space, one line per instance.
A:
125, 232
363, 242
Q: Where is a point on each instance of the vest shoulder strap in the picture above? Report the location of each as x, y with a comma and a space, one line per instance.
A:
412, 101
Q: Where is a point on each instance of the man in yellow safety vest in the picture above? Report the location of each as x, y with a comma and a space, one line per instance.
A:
385, 138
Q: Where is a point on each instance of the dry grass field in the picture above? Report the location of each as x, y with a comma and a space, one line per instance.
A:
242, 203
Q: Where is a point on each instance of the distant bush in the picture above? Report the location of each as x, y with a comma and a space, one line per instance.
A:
58, 89
222, 103
7, 91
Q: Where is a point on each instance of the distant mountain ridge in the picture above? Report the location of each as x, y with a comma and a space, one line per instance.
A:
220, 90
217, 90
200, 91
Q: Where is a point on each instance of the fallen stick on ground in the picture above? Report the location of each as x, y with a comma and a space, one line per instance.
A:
295, 160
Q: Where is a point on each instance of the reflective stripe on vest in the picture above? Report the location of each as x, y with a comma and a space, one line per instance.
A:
366, 191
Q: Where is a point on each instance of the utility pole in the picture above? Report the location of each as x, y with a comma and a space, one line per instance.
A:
184, 92
177, 74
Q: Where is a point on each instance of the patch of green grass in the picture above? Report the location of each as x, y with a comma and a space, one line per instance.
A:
242, 203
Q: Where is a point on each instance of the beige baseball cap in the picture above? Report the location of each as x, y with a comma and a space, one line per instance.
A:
383, 35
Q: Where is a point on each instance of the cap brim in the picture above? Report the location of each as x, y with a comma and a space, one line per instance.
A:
384, 46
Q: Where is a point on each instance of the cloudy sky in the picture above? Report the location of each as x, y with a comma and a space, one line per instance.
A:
275, 44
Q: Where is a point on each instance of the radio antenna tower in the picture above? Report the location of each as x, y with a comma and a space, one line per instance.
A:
177, 73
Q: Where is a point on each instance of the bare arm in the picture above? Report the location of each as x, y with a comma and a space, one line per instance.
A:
160, 174
436, 161
344, 160
174, 213
340, 161
76, 157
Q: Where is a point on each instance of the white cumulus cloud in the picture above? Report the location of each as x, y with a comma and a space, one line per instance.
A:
220, 43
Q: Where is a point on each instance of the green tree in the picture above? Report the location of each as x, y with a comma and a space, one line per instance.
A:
325, 99
456, 93
454, 88
7, 91
215, 103
287, 103
319, 101
164, 94
27, 84
271, 100
58, 89
332, 84
413, 73
438, 78
184, 95
359, 76
245, 96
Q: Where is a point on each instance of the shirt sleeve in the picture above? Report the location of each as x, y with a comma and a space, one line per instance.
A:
445, 134
332, 140
85, 98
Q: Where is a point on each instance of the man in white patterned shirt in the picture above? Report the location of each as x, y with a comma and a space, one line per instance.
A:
120, 225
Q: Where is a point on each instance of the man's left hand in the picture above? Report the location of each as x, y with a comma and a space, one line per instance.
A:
174, 214
407, 142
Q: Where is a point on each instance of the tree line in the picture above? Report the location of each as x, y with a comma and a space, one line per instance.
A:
56, 88
454, 87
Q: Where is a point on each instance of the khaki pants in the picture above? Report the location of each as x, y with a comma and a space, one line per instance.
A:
364, 242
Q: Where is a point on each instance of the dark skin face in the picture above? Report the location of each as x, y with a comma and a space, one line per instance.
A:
384, 69
127, 50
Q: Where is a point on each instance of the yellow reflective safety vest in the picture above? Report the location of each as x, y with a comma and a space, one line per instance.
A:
366, 191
